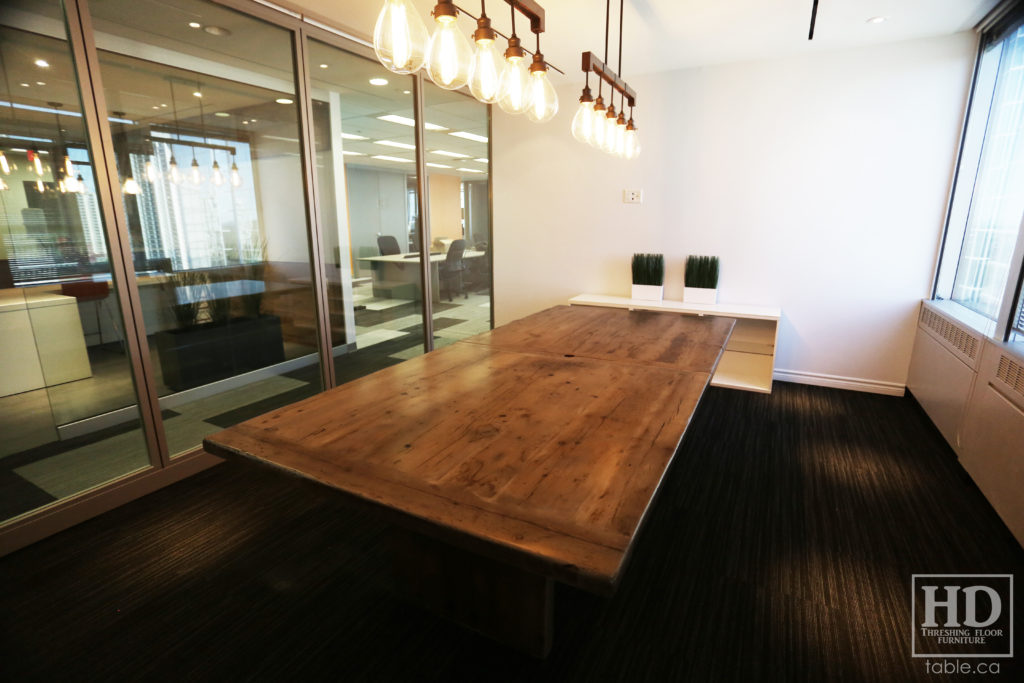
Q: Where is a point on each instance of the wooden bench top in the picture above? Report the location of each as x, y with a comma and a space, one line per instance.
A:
541, 443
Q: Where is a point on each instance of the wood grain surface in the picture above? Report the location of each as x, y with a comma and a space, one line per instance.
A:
505, 446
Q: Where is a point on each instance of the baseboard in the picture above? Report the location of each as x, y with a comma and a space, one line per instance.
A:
871, 386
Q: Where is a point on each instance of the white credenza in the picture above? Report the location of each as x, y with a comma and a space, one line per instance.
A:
42, 339
748, 362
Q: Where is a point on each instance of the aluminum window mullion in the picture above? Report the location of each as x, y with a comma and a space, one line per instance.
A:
423, 206
316, 241
115, 225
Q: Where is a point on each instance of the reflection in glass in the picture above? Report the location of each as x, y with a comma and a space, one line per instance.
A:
460, 224
206, 140
68, 413
365, 141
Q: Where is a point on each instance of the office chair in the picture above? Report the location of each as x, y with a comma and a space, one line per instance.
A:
450, 272
388, 245
480, 268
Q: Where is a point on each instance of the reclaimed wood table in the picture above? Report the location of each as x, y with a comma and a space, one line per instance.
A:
519, 457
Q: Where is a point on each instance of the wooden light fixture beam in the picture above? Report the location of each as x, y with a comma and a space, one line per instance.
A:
533, 11
591, 64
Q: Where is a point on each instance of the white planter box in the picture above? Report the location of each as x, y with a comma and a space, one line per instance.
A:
648, 292
700, 295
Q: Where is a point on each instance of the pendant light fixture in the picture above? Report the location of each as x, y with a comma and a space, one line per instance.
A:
583, 120
173, 174
451, 62
217, 178
515, 79
400, 37
543, 98
486, 65
611, 132
65, 173
130, 185
449, 53
236, 177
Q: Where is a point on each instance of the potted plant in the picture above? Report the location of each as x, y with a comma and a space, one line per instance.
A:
701, 280
648, 277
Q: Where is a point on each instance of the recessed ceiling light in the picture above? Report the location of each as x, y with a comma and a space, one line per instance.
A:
468, 136
469, 170
433, 165
382, 157
162, 105
155, 107
323, 66
405, 121
197, 94
453, 155
378, 81
284, 100
40, 83
353, 136
352, 154
222, 114
217, 31
407, 92
483, 161
42, 64
876, 20
389, 143
245, 123
194, 24
24, 85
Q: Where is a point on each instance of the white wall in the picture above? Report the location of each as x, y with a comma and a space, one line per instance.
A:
820, 182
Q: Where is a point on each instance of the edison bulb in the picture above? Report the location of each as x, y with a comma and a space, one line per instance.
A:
69, 167
609, 132
151, 174
37, 163
236, 178
632, 144
583, 122
3, 185
485, 72
449, 55
515, 86
175, 174
543, 98
4, 166
193, 173
597, 126
217, 178
130, 186
400, 37
620, 137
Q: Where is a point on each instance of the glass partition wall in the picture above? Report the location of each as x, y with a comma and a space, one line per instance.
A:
229, 194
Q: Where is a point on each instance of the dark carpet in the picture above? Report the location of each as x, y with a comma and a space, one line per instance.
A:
781, 548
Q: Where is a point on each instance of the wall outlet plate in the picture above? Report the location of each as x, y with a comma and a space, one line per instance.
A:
632, 196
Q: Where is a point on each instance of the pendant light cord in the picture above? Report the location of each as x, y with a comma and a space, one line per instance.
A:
174, 111
513, 9
621, 4
607, 18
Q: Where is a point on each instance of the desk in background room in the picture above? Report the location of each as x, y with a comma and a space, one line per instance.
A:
397, 276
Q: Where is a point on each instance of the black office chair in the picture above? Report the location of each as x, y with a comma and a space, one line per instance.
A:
480, 268
450, 272
388, 245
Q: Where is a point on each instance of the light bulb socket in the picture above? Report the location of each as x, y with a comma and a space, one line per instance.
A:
484, 30
445, 8
195, 164
586, 96
515, 49
538, 63
599, 104
621, 121
630, 125
611, 111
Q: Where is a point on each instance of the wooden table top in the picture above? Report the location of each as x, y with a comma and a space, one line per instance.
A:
541, 443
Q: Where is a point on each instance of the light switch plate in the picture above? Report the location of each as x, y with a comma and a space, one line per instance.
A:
632, 196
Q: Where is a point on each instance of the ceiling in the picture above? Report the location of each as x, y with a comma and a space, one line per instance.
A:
663, 35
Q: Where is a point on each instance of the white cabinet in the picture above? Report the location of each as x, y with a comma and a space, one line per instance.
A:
748, 362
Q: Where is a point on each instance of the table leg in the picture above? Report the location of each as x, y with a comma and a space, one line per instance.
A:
509, 605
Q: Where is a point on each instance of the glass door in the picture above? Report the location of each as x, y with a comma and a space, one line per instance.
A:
205, 121
68, 412
366, 175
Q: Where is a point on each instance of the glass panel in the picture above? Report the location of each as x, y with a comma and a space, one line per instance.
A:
68, 412
366, 172
458, 156
997, 202
206, 136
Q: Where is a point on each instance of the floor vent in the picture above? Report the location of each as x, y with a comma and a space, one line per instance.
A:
1011, 373
960, 341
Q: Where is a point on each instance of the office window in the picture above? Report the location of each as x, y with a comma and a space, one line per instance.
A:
988, 203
